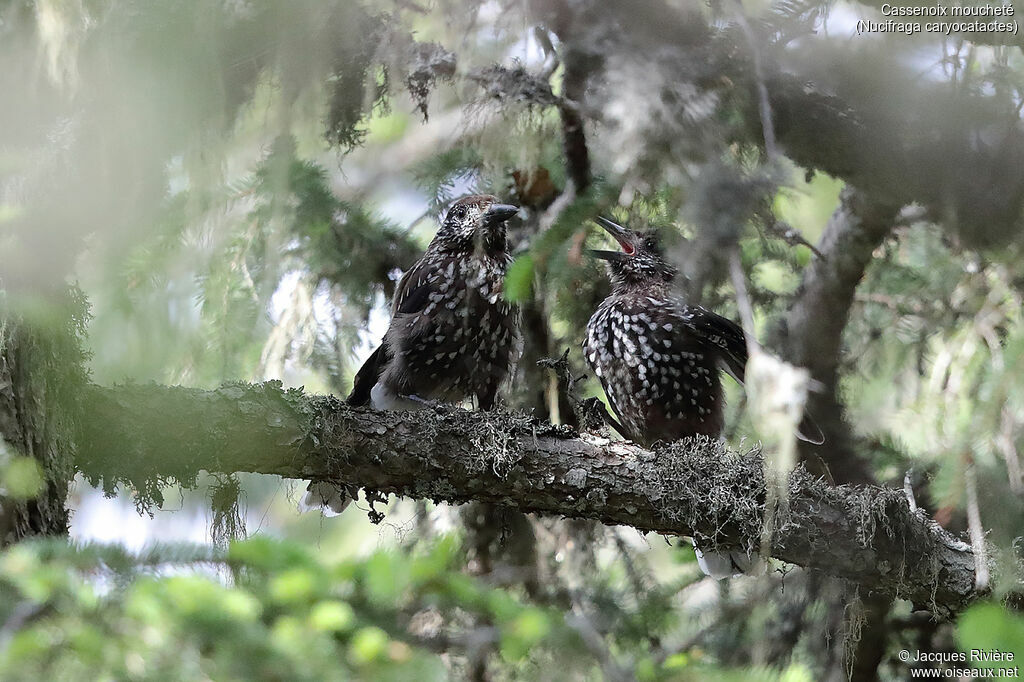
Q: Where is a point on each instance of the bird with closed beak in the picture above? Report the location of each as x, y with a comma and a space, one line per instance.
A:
452, 334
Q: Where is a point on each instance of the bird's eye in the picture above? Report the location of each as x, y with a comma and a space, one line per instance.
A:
459, 212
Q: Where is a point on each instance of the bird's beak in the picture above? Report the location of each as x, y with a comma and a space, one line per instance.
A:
622, 236
607, 255
499, 213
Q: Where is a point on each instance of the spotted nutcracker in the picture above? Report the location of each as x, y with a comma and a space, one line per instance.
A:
452, 332
659, 359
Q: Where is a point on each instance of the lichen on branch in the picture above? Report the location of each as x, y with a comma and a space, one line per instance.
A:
148, 435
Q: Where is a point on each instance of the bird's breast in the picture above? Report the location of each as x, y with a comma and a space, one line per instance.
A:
463, 339
657, 375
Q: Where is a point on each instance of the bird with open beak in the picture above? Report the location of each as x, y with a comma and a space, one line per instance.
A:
659, 359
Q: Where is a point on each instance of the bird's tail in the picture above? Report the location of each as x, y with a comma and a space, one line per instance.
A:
809, 432
725, 564
366, 377
330, 498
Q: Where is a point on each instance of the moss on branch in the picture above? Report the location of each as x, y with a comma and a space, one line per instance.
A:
147, 435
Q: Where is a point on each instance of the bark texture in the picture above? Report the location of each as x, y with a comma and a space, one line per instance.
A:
813, 334
147, 435
41, 372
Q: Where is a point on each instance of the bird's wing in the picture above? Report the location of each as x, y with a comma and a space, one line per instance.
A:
723, 334
414, 289
729, 337
619, 421
411, 296
594, 348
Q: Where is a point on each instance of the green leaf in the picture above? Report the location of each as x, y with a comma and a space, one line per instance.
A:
532, 625
775, 277
990, 627
240, 605
332, 616
268, 554
519, 279
526, 631
386, 577
367, 645
438, 561
288, 633
796, 673
677, 661
802, 255
644, 669
23, 478
294, 586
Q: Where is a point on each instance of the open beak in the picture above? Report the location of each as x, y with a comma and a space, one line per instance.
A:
499, 213
621, 235
607, 255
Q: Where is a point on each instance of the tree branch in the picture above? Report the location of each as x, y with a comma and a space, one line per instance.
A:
147, 435
815, 323
574, 140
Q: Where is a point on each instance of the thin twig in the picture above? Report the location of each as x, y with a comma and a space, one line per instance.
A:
791, 236
1005, 442
908, 490
739, 283
764, 106
24, 613
592, 639
574, 139
977, 531
551, 59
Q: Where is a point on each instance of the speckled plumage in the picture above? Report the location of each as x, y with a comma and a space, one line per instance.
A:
452, 333
659, 361
658, 358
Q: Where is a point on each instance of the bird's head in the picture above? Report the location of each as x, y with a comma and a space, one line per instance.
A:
475, 221
639, 260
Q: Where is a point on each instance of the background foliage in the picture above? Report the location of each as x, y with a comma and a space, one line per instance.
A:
236, 186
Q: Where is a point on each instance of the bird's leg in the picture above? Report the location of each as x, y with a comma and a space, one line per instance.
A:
614, 423
591, 413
